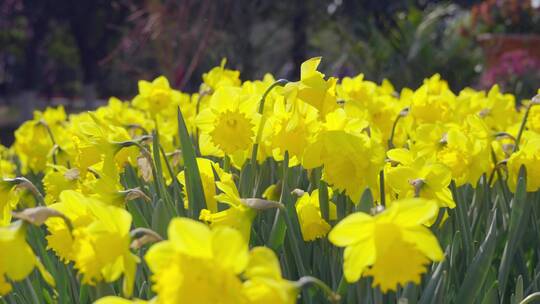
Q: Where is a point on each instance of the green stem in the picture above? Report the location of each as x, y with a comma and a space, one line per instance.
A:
227, 163
522, 126
402, 113
461, 214
323, 201
341, 206
309, 280
381, 188
294, 244
342, 287
532, 298
277, 232
103, 289
252, 171
33, 293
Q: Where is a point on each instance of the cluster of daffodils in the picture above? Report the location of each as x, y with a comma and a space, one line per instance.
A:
236, 193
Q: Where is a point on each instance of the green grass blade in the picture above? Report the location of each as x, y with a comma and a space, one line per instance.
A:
193, 176
323, 201
460, 213
521, 209
479, 267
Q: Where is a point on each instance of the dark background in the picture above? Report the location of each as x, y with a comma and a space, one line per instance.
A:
78, 53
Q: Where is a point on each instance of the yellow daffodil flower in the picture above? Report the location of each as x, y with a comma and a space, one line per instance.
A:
208, 179
99, 242
433, 102
198, 265
202, 265
421, 178
118, 300
291, 127
264, 284
338, 149
229, 123
312, 225
9, 198
394, 246
528, 155
220, 76
313, 88
17, 260
238, 215
157, 97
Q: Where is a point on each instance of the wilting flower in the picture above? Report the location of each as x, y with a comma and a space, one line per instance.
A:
394, 246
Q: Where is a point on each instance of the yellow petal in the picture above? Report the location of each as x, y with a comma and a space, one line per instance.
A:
159, 256
398, 178
230, 249
263, 263
45, 274
401, 155
190, 237
309, 67
425, 241
18, 259
357, 258
118, 300
413, 211
130, 268
352, 229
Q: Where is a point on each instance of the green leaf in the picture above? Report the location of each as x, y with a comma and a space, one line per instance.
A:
479, 267
179, 200
492, 295
160, 219
440, 290
193, 177
519, 289
460, 213
323, 201
138, 218
518, 222
428, 294
159, 177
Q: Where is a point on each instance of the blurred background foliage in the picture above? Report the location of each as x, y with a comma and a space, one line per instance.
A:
58, 47
68, 51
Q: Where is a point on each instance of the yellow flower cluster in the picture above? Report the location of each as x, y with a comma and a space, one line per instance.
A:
346, 137
200, 265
